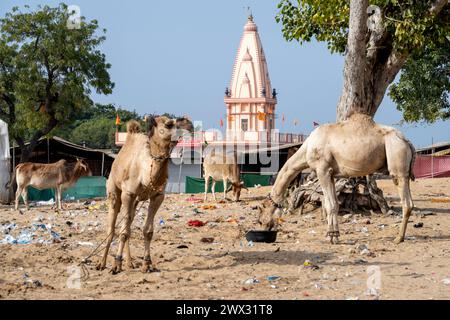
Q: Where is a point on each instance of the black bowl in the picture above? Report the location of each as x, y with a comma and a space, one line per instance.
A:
261, 236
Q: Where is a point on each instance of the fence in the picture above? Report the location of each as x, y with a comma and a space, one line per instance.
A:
427, 166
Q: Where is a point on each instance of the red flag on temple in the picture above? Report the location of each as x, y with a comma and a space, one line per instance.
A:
221, 122
117, 119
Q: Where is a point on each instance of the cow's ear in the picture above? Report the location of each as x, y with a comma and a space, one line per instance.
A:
151, 124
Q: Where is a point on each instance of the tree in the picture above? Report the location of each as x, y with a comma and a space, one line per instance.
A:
95, 126
378, 41
422, 92
47, 72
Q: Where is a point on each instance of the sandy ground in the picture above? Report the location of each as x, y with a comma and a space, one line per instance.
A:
416, 269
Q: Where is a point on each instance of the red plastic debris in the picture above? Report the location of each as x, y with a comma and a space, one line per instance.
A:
196, 223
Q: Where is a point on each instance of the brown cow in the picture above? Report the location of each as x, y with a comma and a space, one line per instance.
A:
59, 176
223, 167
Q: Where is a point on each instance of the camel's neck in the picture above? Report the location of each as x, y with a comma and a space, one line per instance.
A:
159, 148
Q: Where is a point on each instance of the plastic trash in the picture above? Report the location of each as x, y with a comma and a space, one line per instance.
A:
196, 223
418, 225
9, 239
85, 243
46, 203
162, 222
446, 281
251, 281
273, 278
309, 265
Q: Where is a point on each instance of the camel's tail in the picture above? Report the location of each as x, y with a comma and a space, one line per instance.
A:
413, 159
133, 127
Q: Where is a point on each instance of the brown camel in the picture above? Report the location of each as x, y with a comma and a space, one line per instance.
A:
139, 173
352, 148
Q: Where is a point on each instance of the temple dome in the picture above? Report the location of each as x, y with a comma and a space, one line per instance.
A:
250, 26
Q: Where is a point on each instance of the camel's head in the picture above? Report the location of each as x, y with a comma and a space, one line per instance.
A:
83, 168
236, 188
268, 215
167, 129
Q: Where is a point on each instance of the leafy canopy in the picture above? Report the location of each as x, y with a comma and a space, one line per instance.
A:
48, 70
410, 28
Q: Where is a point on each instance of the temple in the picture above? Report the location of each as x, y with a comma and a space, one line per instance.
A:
250, 101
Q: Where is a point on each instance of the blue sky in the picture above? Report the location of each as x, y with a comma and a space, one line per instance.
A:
177, 56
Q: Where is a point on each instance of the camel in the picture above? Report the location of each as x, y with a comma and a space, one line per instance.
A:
139, 173
351, 148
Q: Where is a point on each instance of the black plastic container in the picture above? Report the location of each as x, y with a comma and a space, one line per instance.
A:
261, 236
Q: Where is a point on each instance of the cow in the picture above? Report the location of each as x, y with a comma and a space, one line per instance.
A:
59, 176
223, 167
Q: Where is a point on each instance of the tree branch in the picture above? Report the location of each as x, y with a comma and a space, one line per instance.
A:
437, 7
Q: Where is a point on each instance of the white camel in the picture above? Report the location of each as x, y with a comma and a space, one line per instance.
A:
352, 148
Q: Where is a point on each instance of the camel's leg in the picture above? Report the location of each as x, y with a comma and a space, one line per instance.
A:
331, 204
114, 203
128, 261
18, 194
206, 187
407, 206
25, 197
155, 203
128, 202
213, 189
225, 186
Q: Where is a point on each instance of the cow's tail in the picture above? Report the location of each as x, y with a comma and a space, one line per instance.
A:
12, 177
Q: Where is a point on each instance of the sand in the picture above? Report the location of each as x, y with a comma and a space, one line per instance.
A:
415, 269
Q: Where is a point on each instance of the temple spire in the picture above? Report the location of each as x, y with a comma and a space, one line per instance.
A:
251, 102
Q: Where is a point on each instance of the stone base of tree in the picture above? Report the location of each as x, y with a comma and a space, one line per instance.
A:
355, 195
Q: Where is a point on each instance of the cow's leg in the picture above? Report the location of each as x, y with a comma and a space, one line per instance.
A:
18, 194
155, 203
128, 201
407, 206
25, 197
206, 187
58, 196
225, 186
128, 261
114, 203
331, 204
213, 189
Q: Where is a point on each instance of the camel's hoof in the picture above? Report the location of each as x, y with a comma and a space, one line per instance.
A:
148, 268
100, 266
130, 265
334, 236
399, 240
115, 270
117, 266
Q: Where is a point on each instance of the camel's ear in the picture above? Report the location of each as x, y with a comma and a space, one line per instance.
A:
151, 124
185, 124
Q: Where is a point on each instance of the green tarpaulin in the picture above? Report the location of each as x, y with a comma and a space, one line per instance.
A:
85, 188
197, 185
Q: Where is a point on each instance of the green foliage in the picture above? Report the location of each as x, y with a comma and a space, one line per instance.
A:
95, 126
47, 70
422, 92
410, 28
